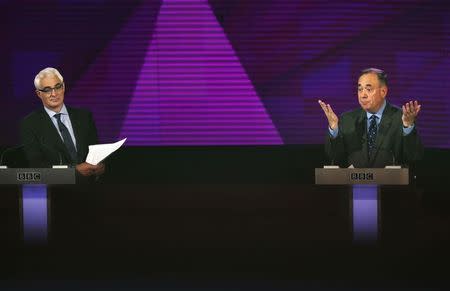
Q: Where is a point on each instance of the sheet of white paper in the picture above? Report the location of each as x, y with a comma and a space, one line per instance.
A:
99, 152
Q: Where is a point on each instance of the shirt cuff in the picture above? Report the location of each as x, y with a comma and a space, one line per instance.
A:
407, 130
333, 132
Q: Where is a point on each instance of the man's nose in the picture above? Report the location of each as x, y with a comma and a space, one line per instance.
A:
53, 92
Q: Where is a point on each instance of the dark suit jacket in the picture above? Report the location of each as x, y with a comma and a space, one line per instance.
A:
350, 146
43, 145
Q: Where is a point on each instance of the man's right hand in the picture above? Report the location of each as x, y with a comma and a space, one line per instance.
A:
87, 169
333, 120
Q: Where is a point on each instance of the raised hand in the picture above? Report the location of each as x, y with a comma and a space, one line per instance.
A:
333, 120
410, 111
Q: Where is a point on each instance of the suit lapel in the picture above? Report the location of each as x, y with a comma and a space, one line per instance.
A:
75, 121
383, 129
361, 127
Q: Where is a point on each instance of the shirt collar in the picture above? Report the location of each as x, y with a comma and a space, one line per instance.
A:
379, 113
52, 113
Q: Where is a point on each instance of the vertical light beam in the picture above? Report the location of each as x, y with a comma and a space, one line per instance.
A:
192, 89
34, 213
365, 213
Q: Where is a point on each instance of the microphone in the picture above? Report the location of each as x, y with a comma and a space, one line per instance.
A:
393, 166
10, 149
332, 153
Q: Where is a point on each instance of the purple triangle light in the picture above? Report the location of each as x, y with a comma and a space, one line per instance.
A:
192, 89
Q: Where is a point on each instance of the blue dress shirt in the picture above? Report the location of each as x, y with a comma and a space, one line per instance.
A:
64, 119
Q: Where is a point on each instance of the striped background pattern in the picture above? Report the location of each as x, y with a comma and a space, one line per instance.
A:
192, 89
226, 72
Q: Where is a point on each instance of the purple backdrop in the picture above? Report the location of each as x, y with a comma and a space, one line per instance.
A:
221, 72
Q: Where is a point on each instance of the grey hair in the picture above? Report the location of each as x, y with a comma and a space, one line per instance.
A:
382, 76
44, 73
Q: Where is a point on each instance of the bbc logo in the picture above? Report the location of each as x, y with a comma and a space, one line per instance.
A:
29, 176
361, 176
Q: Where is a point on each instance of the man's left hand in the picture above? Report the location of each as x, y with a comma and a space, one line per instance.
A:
410, 111
100, 169
87, 169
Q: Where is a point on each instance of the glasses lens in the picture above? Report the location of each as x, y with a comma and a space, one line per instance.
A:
57, 87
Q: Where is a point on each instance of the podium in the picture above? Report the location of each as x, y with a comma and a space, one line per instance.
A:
358, 176
34, 195
48, 176
365, 193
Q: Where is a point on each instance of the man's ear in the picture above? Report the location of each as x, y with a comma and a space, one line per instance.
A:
38, 93
384, 91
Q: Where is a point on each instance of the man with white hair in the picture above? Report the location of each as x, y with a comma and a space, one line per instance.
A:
56, 134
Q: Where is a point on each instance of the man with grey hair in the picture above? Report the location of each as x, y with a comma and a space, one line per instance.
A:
56, 134
377, 134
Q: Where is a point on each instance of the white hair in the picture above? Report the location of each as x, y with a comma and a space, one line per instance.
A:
44, 73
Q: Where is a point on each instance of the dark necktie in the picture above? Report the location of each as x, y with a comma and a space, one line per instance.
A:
68, 142
372, 135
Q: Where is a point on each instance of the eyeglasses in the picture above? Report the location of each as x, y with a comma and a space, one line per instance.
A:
48, 90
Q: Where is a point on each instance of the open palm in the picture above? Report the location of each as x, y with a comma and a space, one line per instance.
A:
333, 120
410, 112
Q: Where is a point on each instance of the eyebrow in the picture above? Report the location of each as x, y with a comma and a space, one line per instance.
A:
52, 87
368, 85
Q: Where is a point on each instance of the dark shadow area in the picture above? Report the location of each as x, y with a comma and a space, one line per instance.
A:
230, 215
242, 164
13, 157
238, 164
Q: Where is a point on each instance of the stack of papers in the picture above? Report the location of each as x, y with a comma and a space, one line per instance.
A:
99, 152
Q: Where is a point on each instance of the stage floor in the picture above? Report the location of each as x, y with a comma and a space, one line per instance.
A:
226, 233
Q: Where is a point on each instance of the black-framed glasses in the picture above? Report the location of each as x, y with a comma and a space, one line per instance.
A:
48, 90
